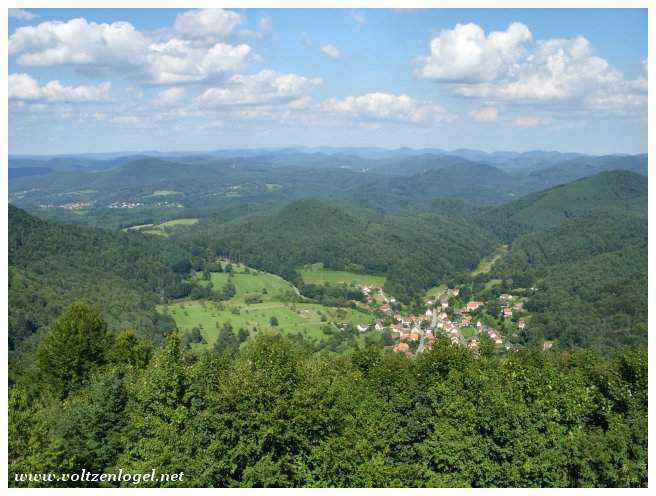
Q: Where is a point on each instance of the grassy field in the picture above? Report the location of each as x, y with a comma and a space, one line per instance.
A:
306, 318
486, 264
161, 229
268, 286
317, 274
164, 192
435, 291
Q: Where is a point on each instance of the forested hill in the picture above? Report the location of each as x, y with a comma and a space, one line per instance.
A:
414, 251
51, 265
469, 181
584, 246
610, 192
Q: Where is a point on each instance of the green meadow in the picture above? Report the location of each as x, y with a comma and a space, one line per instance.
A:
274, 292
317, 274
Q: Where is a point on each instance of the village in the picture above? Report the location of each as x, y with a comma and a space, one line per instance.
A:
464, 325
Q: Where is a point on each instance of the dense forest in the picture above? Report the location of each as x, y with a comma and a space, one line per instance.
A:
51, 265
584, 245
413, 251
275, 414
102, 377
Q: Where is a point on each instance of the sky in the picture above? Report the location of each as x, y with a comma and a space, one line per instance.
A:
104, 80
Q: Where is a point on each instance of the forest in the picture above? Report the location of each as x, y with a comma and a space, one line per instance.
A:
102, 377
274, 414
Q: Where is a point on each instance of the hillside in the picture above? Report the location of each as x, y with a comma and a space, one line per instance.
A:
607, 192
473, 182
414, 251
51, 265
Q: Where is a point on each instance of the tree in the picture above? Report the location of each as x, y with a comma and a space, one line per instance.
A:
226, 341
273, 321
75, 346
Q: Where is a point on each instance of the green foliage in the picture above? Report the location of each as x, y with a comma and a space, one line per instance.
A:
73, 349
52, 264
412, 251
275, 414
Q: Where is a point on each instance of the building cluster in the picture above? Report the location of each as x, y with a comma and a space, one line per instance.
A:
125, 204
69, 206
458, 324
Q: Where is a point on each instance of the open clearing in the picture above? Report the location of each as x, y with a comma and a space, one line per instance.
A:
161, 229
486, 264
317, 274
306, 318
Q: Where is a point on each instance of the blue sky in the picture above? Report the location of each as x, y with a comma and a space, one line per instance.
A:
101, 80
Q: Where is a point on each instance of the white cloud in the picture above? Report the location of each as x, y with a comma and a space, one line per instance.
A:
266, 86
386, 107
556, 71
169, 97
357, 15
126, 119
179, 61
206, 23
77, 41
466, 54
21, 14
485, 114
301, 103
123, 49
331, 51
530, 121
25, 87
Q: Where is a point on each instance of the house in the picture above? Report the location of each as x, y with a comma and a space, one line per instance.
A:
363, 327
386, 308
429, 313
401, 348
442, 316
414, 335
455, 291
521, 324
505, 297
429, 303
479, 324
473, 344
473, 305
378, 326
547, 345
466, 320
507, 312
519, 306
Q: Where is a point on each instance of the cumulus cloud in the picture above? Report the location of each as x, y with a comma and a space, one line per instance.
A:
386, 107
466, 54
485, 114
23, 15
503, 66
126, 119
530, 121
331, 51
121, 48
169, 97
206, 23
26, 88
357, 15
180, 61
265, 87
